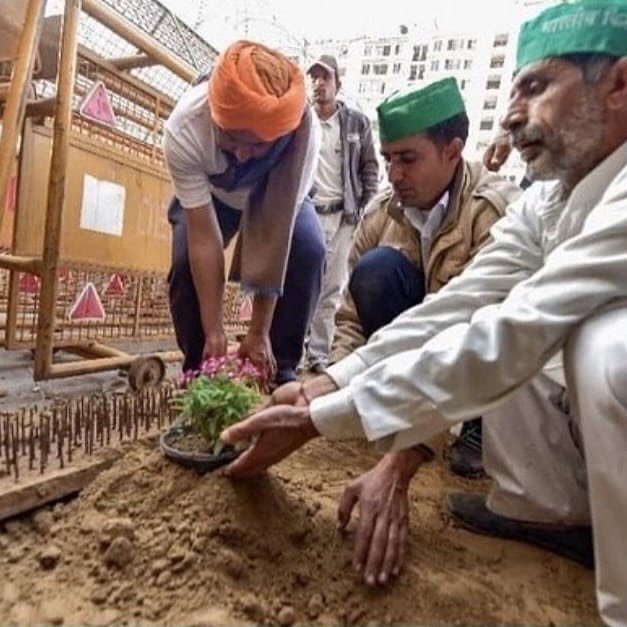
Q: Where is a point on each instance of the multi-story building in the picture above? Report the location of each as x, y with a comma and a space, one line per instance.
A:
482, 60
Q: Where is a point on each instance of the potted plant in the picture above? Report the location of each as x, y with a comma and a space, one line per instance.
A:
219, 394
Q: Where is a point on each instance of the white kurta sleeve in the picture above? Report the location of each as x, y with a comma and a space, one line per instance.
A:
514, 255
471, 366
491, 342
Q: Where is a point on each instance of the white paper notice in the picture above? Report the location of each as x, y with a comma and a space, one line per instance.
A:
103, 206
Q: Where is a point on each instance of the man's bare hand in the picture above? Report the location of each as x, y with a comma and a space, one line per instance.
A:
497, 152
381, 493
257, 348
275, 432
215, 344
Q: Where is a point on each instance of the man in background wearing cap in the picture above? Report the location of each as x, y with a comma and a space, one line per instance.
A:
347, 177
241, 150
553, 279
423, 229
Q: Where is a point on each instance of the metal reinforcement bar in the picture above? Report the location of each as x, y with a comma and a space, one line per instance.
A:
48, 453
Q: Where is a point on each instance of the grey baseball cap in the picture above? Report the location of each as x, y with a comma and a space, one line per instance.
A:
326, 62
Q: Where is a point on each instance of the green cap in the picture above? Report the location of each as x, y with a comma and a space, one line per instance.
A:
403, 115
585, 26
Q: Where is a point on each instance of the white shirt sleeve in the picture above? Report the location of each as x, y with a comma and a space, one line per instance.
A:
472, 364
190, 180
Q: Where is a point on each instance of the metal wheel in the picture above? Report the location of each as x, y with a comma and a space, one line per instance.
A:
146, 372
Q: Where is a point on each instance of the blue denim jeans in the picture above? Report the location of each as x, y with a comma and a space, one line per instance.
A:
294, 309
383, 284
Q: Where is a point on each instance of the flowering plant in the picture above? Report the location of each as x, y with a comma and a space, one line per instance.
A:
219, 394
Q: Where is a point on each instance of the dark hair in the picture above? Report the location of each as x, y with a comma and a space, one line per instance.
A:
445, 132
593, 65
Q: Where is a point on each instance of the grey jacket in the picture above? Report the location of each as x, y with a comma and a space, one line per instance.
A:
360, 169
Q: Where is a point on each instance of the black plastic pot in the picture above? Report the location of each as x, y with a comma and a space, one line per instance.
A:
201, 462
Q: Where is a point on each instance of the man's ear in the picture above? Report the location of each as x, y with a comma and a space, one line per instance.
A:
453, 150
616, 98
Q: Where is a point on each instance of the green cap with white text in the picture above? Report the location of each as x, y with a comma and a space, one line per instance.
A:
406, 114
585, 26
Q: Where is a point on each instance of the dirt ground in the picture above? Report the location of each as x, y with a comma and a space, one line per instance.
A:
150, 542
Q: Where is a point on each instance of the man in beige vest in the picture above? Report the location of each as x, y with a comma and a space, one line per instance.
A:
423, 229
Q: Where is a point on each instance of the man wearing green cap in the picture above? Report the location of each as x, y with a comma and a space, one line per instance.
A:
552, 282
421, 231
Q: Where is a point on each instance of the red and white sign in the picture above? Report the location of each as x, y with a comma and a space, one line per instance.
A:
65, 274
116, 286
29, 284
245, 313
88, 305
97, 106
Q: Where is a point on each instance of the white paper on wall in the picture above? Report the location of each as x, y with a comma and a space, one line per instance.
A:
102, 209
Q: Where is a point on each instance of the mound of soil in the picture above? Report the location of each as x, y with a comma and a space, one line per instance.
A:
151, 542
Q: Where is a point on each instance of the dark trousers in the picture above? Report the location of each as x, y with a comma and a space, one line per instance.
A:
383, 284
293, 310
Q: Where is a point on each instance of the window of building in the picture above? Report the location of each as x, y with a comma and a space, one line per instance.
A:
397, 49
421, 71
397, 68
497, 62
471, 44
452, 44
413, 72
419, 54
448, 64
386, 51
467, 64
435, 65
380, 68
494, 82
382, 88
487, 124
489, 103
438, 46
362, 87
365, 68
501, 40
367, 51
462, 84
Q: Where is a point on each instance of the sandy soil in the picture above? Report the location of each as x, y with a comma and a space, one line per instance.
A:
149, 542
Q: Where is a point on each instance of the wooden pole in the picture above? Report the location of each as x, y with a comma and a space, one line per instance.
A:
16, 98
132, 62
56, 190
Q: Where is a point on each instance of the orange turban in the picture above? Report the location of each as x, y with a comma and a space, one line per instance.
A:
254, 88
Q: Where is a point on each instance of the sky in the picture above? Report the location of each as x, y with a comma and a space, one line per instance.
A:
222, 20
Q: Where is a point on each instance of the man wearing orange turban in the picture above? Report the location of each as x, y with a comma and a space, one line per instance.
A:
242, 150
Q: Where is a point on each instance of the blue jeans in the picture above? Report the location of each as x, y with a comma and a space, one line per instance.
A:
294, 309
383, 284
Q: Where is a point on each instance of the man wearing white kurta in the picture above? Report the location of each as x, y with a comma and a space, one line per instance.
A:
554, 279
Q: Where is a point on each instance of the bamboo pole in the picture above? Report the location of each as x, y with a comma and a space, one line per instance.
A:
74, 368
56, 189
132, 62
16, 98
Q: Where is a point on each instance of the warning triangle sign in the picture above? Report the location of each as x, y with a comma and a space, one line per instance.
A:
65, 274
97, 106
88, 305
116, 286
245, 313
29, 284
